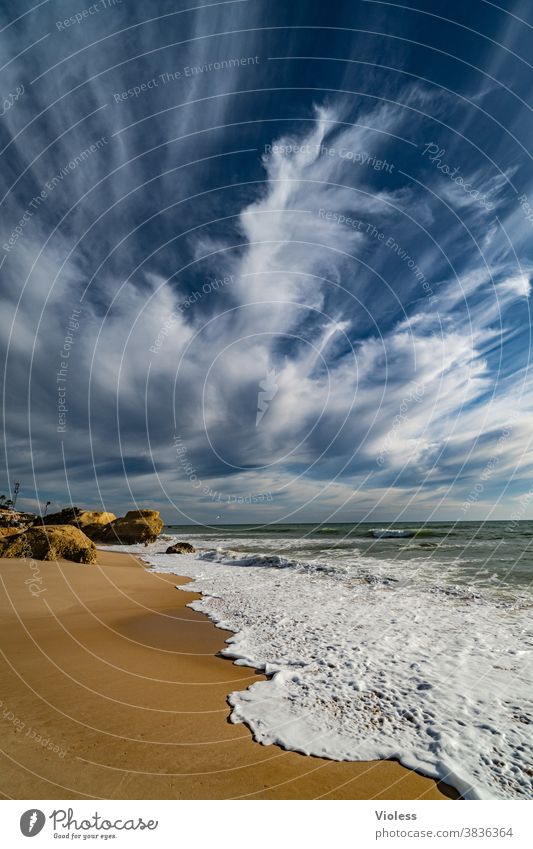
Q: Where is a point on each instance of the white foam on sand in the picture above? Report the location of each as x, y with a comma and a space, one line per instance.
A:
364, 666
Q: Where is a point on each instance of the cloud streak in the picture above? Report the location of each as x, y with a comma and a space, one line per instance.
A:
391, 306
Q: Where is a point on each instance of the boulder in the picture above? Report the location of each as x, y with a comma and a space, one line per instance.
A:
9, 532
14, 519
136, 526
77, 516
181, 548
67, 516
94, 517
53, 542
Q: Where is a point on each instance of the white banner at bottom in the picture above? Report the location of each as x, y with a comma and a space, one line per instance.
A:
309, 824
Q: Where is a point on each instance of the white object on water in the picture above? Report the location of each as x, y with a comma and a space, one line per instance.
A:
382, 533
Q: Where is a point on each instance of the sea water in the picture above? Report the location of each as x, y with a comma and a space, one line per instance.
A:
379, 641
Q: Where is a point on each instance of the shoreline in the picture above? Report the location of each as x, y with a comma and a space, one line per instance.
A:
107, 667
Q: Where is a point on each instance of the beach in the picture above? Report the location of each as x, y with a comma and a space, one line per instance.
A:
408, 643
114, 689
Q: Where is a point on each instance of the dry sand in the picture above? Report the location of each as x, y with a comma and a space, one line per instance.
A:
112, 689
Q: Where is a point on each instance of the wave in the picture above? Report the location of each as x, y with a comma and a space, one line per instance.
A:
385, 533
338, 571
361, 570
240, 558
433, 532
403, 533
365, 665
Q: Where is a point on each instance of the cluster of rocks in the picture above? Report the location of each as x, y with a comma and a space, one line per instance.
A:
55, 542
103, 527
15, 519
71, 534
76, 516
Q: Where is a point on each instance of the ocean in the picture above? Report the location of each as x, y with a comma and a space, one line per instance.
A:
407, 641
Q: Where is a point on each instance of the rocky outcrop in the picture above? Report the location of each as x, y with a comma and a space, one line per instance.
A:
64, 517
15, 519
95, 517
77, 516
9, 532
181, 548
53, 542
136, 526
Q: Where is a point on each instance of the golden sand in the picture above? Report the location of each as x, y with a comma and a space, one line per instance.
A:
112, 688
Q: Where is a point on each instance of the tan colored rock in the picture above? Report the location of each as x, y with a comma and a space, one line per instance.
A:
14, 519
136, 526
77, 516
95, 517
9, 532
53, 542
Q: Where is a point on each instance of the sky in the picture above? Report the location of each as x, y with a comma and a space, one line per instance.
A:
267, 262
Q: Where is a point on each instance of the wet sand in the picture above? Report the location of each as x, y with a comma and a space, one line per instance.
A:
112, 688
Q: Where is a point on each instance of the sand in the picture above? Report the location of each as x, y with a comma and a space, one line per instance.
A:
112, 689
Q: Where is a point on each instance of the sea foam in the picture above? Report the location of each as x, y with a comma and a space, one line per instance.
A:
366, 663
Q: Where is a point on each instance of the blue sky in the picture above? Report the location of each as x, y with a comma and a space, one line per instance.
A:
287, 250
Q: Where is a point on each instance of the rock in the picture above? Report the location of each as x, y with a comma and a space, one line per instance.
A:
95, 517
77, 516
14, 519
64, 517
9, 532
53, 542
181, 548
136, 526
